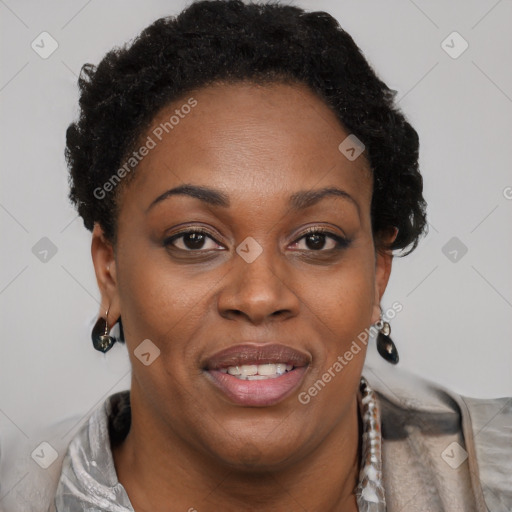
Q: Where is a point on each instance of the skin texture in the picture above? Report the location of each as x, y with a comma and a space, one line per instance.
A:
189, 446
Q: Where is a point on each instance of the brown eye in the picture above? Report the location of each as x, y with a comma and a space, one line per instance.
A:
192, 240
319, 240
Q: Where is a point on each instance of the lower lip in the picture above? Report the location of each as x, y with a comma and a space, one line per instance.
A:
258, 393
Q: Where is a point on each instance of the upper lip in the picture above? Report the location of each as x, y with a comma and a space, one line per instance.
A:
256, 353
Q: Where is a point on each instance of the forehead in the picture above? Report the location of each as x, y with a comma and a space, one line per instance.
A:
248, 140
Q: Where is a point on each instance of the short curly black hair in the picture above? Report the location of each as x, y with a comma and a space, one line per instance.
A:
228, 41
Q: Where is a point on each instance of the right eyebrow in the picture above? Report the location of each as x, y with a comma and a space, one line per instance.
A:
206, 194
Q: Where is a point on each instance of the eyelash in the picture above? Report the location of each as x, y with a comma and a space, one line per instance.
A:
341, 242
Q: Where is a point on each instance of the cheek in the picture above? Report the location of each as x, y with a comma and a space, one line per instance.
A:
341, 312
344, 297
342, 306
163, 304
160, 302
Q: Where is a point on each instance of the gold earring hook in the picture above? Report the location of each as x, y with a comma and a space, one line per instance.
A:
106, 321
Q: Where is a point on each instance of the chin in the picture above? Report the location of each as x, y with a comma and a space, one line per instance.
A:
253, 459
256, 452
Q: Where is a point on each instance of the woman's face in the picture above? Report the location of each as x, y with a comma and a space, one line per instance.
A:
252, 291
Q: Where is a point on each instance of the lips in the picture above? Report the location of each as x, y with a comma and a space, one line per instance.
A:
256, 375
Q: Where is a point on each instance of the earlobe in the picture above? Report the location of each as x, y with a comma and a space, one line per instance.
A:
383, 263
382, 272
103, 258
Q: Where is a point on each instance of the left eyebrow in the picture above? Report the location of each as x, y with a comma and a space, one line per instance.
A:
306, 198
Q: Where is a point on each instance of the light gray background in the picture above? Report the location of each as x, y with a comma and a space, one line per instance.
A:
456, 323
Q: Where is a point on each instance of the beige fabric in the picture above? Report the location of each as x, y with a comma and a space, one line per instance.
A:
491, 423
420, 423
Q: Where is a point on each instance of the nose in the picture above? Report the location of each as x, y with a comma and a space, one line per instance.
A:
259, 291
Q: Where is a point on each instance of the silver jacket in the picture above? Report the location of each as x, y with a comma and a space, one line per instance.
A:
441, 452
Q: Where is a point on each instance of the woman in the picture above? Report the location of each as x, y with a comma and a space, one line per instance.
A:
246, 178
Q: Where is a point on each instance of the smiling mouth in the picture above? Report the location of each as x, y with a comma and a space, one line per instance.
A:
256, 375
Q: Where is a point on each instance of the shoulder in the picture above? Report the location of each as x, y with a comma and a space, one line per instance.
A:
440, 445
31, 464
88, 478
491, 427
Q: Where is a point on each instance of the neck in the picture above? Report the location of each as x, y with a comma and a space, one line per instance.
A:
157, 468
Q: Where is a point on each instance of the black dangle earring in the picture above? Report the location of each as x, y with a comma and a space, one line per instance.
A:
100, 335
121, 331
385, 346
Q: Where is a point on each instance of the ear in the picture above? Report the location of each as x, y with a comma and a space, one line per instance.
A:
103, 258
383, 261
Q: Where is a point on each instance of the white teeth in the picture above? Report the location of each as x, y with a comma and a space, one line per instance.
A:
258, 372
267, 369
248, 369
